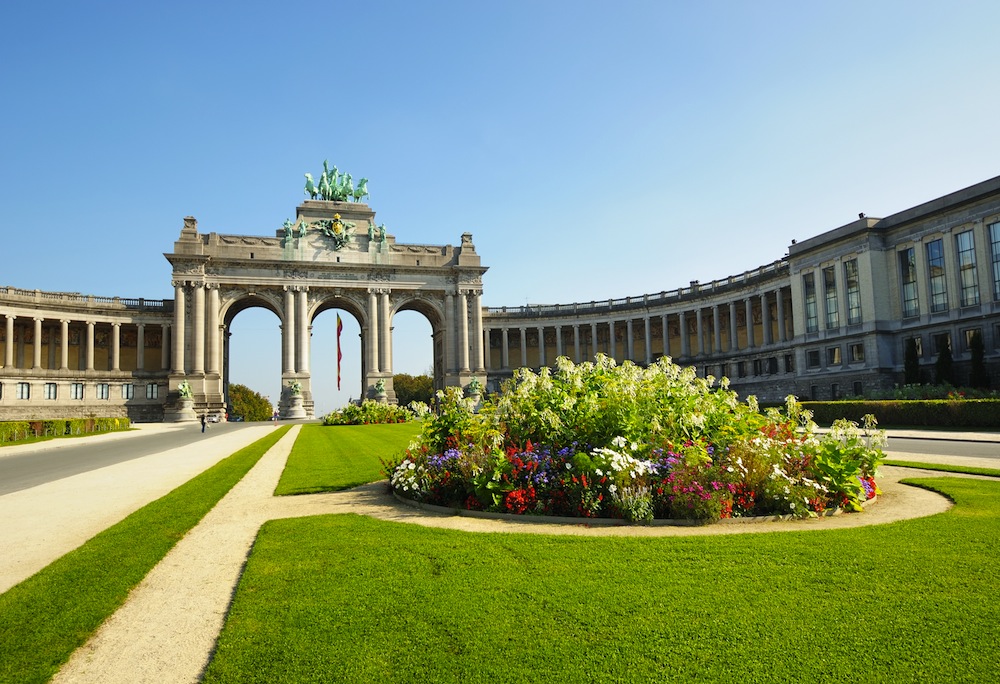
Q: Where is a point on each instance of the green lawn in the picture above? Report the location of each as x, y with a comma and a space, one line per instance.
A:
46, 617
347, 598
331, 458
971, 470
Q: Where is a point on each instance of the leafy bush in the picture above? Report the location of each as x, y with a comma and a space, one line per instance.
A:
597, 439
367, 412
251, 405
410, 388
965, 413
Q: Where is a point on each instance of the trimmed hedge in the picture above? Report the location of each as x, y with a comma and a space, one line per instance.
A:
18, 430
965, 413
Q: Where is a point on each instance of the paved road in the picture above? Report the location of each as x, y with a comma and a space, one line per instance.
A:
49, 461
943, 447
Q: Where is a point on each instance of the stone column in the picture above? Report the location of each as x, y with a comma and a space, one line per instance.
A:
665, 334
302, 330
559, 345
140, 346
487, 360
734, 339
504, 349
116, 346
541, 346
63, 344
477, 332
8, 351
629, 340
611, 339
288, 333
385, 334
451, 359
576, 344
716, 330
700, 331
782, 329
685, 341
765, 318
198, 331
593, 340
179, 365
165, 341
37, 346
749, 314
214, 364
373, 328
463, 332
90, 345
524, 348
649, 342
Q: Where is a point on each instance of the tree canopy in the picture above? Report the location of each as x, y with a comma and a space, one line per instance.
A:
248, 404
413, 388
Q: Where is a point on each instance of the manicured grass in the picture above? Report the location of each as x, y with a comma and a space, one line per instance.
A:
331, 458
46, 617
346, 599
969, 470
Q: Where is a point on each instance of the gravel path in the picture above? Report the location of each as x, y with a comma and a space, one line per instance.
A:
166, 630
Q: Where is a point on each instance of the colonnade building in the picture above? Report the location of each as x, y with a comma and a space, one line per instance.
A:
831, 318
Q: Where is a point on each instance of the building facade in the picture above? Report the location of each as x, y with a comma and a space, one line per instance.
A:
831, 318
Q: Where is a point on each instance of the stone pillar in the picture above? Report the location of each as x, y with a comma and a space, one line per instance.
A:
716, 330
116, 346
302, 331
541, 346
734, 339
487, 357
288, 333
214, 365
649, 342
198, 331
629, 340
463, 332
479, 364
765, 318
8, 351
749, 314
559, 345
576, 344
90, 346
611, 339
37, 346
385, 334
179, 365
665, 334
165, 345
782, 328
685, 341
700, 330
373, 366
504, 350
63, 344
451, 359
593, 340
140, 346
524, 348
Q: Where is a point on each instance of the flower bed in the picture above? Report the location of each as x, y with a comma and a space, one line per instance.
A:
602, 440
367, 413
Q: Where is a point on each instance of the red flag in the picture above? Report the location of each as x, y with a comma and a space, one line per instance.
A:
340, 355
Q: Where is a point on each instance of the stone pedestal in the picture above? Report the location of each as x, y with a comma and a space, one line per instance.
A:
295, 411
182, 412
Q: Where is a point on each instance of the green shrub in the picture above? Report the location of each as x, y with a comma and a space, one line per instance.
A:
965, 413
367, 413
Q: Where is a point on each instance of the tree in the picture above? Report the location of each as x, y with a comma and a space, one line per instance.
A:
249, 404
911, 363
943, 374
978, 377
413, 388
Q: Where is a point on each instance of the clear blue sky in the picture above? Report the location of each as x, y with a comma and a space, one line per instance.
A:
593, 149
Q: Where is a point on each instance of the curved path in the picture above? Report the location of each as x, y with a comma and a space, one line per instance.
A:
166, 630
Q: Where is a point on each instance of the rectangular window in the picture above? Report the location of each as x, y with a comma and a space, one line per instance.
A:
830, 296
916, 343
741, 369
128, 390
935, 276
995, 256
858, 389
789, 363
809, 288
833, 356
965, 246
835, 391
103, 390
942, 341
857, 352
812, 358
908, 276
23, 390
758, 367
152, 390
76, 390
853, 291
51, 390
967, 336
772, 365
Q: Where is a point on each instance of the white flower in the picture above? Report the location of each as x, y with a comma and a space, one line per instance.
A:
612, 489
411, 465
569, 466
600, 473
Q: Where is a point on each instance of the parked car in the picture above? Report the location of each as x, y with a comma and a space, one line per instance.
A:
213, 418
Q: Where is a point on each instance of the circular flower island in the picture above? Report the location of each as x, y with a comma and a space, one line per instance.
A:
600, 440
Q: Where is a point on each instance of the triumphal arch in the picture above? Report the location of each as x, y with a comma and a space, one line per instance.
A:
332, 256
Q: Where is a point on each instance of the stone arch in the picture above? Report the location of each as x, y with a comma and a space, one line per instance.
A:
432, 309
232, 303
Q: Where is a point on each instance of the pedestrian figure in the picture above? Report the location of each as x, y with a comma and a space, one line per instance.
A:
203, 422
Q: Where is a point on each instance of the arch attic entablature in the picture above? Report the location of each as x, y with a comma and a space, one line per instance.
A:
333, 255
